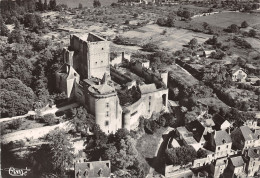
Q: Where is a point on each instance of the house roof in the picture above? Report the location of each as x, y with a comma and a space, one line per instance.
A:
103, 89
197, 129
257, 134
147, 88
237, 161
247, 133
252, 153
222, 137
93, 169
236, 68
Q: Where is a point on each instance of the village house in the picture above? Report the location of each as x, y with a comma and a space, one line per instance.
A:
93, 169
252, 159
187, 138
219, 142
221, 124
243, 138
236, 167
218, 166
238, 74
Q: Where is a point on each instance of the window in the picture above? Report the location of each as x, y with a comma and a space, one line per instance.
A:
102, 48
101, 61
227, 146
107, 113
150, 97
107, 105
218, 148
149, 110
106, 123
150, 103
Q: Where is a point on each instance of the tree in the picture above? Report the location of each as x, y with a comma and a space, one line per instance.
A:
4, 31
150, 47
244, 24
45, 5
16, 98
52, 4
233, 28
125, 155
57, 153
252, 33
80, 6
193, 43
16, 37
96, 3
181, 155
201, 153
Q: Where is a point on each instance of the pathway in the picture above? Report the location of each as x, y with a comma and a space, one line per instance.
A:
48, 111
159, 161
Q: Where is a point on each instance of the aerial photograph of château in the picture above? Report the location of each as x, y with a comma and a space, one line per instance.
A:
130, 88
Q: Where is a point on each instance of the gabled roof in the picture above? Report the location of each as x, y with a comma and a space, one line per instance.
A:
147, 88
197, 129
257, 134
252, 152
236, 68
93, 169
247, 133
222, 137
237, 161
103, 89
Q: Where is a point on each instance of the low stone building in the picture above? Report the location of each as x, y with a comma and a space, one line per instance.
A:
243, 138
93, 169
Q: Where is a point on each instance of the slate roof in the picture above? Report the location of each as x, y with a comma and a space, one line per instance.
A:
103, 89
247, 133
257, 134
93, 169
237, 161
197, 129
222, 137
252, 153
147, 88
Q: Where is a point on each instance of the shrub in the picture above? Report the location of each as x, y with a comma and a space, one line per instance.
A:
14, 125
150, 47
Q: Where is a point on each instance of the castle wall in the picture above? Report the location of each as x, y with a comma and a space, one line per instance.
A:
146, 105
107, 112
99, 56
91, 57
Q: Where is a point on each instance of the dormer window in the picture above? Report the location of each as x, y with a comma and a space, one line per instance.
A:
223, 141
100, 172
86, 173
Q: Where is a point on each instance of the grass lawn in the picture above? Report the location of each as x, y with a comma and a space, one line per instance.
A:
85, 3
147, 144
213, 102
227, 18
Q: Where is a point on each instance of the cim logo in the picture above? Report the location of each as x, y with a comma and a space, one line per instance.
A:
17, 171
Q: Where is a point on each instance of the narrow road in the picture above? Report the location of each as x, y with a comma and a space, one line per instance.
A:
48, 111
158, 163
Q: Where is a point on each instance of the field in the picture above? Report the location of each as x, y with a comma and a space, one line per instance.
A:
227, 18
85, 3
173, 39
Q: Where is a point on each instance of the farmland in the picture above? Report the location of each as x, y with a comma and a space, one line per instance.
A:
225, 19
171, 39
85, 3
